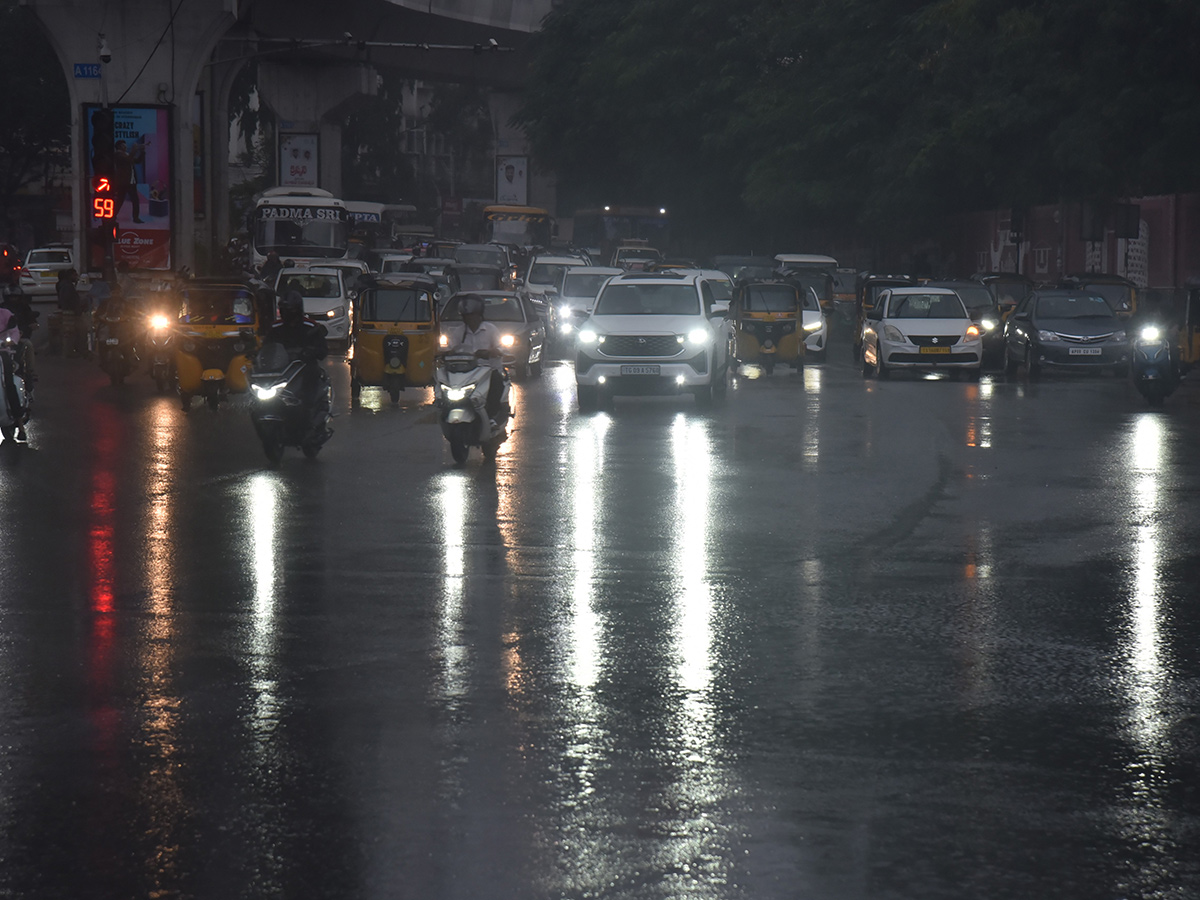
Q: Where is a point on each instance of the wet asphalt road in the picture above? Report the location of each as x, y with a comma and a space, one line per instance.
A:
835, 639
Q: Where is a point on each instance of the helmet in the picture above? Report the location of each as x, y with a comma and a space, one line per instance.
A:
471, 306
291, 307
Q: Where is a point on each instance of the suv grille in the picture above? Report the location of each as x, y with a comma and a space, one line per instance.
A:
641, 345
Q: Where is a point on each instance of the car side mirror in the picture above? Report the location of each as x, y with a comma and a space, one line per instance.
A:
874, 313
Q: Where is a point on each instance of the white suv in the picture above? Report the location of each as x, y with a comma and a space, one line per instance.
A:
652, 333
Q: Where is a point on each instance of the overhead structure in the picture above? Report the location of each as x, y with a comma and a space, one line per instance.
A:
167, 68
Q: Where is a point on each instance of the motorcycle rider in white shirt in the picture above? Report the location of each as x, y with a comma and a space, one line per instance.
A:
480, 339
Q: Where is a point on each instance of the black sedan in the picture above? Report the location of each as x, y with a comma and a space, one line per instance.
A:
1067, 330
522, 334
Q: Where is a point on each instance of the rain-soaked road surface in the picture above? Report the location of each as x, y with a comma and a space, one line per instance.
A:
913, 639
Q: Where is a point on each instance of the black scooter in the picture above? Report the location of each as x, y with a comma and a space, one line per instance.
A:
279, 412
117, 349
1155, 367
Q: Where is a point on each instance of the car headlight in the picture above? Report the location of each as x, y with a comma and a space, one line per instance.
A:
1150, 333
507, 340
814, 326
988, 324
892, 333
332, 314
699, 336
588, 336
1118, 336
564, 310
454, 395
566, 328
1048, 336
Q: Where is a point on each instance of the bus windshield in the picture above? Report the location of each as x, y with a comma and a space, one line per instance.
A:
304, 232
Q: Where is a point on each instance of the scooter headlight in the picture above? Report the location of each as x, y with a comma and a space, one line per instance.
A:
265, 393
456, 395
159, 322
1151, 333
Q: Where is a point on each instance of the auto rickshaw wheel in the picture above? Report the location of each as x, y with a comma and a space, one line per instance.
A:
212, 398
721, 383
160, 383
535, 369
310, 449
704, 396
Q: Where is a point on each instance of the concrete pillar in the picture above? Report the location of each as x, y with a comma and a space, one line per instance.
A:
303, 97
158, 54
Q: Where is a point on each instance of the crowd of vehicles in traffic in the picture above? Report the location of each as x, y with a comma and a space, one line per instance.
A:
637, 322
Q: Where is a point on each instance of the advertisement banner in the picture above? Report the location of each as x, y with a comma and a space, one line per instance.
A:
511, 184
298, 160
141, 187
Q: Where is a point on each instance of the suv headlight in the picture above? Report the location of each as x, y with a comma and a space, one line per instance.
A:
589, 336
699, 336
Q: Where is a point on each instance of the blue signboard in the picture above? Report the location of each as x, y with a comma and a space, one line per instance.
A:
87, 70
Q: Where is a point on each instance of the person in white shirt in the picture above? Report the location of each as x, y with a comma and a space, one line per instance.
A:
482, 340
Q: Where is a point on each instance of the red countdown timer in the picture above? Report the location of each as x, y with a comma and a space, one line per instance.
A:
103, 205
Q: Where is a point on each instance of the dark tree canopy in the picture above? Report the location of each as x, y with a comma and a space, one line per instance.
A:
842, 114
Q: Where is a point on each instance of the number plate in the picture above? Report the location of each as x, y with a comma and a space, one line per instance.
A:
935, 349
640, 370
112, 341
1084, 351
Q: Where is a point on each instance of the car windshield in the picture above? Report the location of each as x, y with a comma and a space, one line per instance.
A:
49, 258
478, 281
1079, 306
770, 298
1118, 295
547, 273
497, 309
648, 300
217, 306
926, 306
479, 256
397, 305
586, 285
310, 285
975, 297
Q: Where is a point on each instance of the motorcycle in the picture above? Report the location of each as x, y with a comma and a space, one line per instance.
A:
159, 349
1155, 368
461, 384
14, 395
117, 349
281, 416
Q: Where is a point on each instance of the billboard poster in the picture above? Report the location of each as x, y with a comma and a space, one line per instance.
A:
141, 187
298, 160
511, 185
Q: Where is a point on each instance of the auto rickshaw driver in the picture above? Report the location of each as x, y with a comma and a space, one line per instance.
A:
216, 339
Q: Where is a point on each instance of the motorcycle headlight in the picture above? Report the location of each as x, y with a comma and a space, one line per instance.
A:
265, 393
566, 328
1150, 333
588, 336
160, 322
1048, 336
507, 340
699, 336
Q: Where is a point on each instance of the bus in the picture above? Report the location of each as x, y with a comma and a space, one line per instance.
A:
525, 226
305, 225
604, 229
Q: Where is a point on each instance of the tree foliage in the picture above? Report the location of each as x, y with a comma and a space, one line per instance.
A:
848, 113
34, 104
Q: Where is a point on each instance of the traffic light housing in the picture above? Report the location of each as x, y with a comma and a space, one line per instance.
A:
102, 142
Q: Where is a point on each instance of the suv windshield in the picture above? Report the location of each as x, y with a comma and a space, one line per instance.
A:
648, 300
926, 306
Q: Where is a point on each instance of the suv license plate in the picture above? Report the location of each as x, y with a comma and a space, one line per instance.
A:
935, 349
640, 370
1084, 351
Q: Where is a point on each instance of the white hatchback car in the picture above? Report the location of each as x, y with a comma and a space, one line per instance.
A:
326, 297
652, 333
920, 328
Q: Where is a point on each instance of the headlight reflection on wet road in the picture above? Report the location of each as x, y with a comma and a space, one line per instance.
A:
586, 466
263, 508
451, 505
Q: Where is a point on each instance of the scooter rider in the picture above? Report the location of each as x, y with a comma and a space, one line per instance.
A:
305, 341
482, 340
26, 318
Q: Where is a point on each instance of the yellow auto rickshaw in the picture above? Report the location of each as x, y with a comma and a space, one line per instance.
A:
216, 337
767, 326
1189, 326
395, 334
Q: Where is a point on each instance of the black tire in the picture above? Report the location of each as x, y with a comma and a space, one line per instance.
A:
459, 450
818, 356
212, 398
355, 387
9, 432
868, 370
185, 400
521, 372
587, 397
310, 449
535, 369
394, 394
720, 385
1011, 366
490, 449
161, 384
769, 367
273, 448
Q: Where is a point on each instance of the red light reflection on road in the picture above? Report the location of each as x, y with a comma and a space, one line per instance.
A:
101, 556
